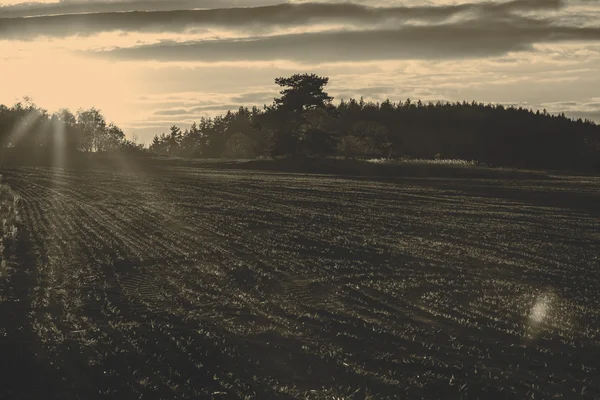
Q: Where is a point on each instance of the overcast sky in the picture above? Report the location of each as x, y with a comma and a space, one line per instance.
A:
148, 64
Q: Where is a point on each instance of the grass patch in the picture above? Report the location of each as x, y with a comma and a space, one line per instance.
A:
383, 168
425, 161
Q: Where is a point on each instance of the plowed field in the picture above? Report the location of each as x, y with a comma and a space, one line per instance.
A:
193, 283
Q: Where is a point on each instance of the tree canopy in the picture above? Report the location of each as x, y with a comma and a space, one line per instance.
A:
303, 91
32, 131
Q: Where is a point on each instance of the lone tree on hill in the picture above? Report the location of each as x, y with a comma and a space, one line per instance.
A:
303, 92
290, 122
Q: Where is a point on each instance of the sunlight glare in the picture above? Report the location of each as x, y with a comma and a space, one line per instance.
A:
22, 127
67, 81
59, 143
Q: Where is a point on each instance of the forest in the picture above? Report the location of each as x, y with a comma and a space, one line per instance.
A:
27, 129
305, 122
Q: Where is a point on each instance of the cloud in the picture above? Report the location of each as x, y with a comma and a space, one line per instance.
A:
175, 111
589, 115
29, 9
573, 106
254, 98
367, 91
448, 41
195, 110
563, 104
256, 19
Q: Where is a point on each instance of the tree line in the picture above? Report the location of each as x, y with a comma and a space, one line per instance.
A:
28, 129
305, 122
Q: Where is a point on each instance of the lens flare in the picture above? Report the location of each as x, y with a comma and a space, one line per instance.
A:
540, 309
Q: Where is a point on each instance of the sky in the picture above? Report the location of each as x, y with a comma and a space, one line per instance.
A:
149, 64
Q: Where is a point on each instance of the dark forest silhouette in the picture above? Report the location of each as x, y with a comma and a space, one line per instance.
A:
305, 122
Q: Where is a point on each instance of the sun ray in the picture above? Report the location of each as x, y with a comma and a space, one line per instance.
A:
22, 127
58, 143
